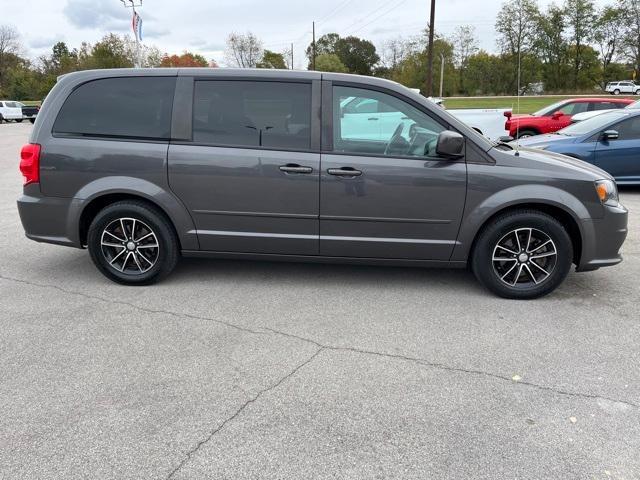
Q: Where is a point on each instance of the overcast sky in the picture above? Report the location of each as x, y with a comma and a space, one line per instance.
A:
203, 25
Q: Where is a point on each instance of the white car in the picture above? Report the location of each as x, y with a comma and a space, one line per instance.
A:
616, 88
580, 117
10, 111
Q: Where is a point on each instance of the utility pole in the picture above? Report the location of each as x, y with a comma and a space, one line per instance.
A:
133, 4
432, 20
292, 56
441, 73
313, 48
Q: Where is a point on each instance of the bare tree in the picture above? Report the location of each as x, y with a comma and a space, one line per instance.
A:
243, 51
9, 49
631, 39
465, 44
607, 34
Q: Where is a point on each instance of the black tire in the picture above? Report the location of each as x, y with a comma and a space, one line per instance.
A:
1, 118
32, 120
616, 92
500, 231
527, 133
19, 120
142, 218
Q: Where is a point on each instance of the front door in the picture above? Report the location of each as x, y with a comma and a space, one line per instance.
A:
388, 195
250, 176
619, 157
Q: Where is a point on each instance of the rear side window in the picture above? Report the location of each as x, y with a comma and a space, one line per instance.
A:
133, 107
252, 114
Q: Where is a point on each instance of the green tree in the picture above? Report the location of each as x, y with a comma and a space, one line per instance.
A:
325, 44
330, 62
358, 55
580, 15
516, 27
551, 47
110, 52
272, 60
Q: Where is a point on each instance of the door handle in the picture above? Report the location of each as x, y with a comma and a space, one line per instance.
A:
295, 168
344, 172
373, 118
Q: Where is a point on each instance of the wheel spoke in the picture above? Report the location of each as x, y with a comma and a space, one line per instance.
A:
507, 249
113, 245
151, 245
530, 273
540, 268
146, 236
543, 255
504, 259
117, 256
135, 259
508, 272
146, 260
518, 275
518, 240
529, 239
133, 230
540, 246
124, 230
115, 236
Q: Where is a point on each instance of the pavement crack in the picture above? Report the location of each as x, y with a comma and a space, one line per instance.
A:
133, 305
253, 399
321, 346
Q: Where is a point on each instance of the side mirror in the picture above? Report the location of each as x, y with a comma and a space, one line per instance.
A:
610, 135
450, 144
557, 115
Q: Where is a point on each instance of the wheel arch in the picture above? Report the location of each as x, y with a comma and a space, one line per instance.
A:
92, 198
560, 205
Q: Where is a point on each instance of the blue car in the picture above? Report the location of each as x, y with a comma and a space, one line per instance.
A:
610, 141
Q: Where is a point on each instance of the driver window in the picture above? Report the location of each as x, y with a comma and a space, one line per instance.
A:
375, 123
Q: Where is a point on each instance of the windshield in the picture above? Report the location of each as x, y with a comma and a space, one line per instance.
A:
593, 123
11, 105
634, 106
550, 109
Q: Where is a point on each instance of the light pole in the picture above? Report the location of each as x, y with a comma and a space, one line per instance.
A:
432, 20
135, 25
441, 73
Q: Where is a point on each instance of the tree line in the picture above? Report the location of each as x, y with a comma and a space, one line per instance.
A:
569, 47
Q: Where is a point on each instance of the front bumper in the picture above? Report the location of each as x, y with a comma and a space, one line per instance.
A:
602, 239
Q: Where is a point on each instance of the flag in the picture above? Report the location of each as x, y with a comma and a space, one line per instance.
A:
136, 24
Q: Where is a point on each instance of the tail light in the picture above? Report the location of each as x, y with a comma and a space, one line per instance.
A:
30, 163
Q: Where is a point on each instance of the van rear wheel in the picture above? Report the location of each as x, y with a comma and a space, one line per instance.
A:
522, 254
132, 243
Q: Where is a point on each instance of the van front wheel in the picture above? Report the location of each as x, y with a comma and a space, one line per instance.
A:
132, 243
522, 254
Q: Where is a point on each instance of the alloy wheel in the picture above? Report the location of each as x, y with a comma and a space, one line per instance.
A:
130, 246
524, 257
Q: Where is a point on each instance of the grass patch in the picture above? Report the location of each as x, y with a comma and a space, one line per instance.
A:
31, 103
527, 104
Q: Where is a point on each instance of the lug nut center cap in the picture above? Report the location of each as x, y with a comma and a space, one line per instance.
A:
131, 246
523, 257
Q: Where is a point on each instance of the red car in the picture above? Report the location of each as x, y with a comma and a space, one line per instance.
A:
554, 117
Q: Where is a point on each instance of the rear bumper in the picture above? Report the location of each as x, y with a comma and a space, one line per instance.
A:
603, 239
48, 219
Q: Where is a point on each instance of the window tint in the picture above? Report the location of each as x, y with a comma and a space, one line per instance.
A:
252, 114
387, 126
628, 129
136, 107
606, 105
573, 108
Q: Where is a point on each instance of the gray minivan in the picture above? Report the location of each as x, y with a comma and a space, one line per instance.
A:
142, 166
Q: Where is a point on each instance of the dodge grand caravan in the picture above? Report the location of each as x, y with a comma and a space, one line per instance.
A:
143, 166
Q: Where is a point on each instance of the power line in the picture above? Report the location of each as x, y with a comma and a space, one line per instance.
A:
380, 7
334, 11
386, 12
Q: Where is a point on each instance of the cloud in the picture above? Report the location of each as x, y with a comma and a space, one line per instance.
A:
38, 43
154, 32
101, 14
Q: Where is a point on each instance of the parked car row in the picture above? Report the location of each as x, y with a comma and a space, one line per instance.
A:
11, 111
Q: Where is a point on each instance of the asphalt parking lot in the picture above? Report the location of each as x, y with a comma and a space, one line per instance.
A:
264, 370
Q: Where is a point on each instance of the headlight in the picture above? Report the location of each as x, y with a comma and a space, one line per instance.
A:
607, 192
